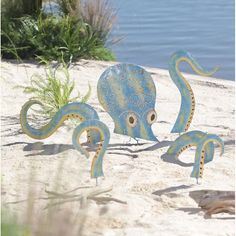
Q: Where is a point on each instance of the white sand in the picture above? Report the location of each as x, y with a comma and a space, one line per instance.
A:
134, 180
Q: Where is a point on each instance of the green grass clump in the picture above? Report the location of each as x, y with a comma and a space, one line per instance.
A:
54, 90
51, 37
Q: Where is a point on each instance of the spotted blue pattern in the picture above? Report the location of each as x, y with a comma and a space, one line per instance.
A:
126, 90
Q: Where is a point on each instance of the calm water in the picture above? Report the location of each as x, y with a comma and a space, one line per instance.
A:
154, 29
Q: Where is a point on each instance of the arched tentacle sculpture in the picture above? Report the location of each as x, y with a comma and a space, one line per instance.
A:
204, 148
96, 168
127, 92
187, 108
200, 153
96, 130
188, 140
80, 111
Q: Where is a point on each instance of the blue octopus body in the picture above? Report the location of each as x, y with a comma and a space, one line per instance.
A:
127, 92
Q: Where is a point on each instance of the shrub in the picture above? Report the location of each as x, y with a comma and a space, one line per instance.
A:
16, 38
19, 8
51, 38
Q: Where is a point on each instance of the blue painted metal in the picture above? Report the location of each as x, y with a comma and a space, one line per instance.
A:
96, 130
204, 152
187, 108
96, 167
200, 153
127, 92
80, 111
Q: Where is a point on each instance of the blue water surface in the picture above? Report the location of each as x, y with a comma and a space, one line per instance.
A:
153, 29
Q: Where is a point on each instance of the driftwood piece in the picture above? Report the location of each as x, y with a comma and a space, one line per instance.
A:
215, 202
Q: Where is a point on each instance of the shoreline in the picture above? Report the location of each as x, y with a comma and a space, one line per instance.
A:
150, 69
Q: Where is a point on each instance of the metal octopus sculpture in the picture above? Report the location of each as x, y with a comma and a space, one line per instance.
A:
127, 92
96, 130
187, 107
204, 149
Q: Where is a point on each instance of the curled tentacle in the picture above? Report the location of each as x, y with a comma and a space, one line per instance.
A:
200, 153
96, 167
76, 110
188, 140
187, 108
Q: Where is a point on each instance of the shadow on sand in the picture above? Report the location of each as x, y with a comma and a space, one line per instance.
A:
117, 148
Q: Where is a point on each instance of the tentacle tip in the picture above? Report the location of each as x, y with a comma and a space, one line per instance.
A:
197, 181
217, 68
96, 176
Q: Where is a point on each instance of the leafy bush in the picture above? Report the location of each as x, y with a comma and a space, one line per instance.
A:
55, 90
16, 38
51, 38
18, 8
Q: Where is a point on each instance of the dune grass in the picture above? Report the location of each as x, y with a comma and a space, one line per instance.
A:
54, 89
99, 14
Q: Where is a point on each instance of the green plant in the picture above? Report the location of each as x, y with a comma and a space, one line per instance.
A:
55, 90
51, 38
16, 38
18, 8
68, 7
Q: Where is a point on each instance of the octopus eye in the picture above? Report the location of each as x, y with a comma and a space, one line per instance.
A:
151, 117
132, 120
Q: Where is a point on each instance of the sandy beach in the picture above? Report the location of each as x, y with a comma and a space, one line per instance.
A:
154, 194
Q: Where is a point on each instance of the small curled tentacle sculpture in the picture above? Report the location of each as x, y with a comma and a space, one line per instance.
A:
96, 130
127, 92
77, 110
188, 140
205, 148
96, 168
187, 108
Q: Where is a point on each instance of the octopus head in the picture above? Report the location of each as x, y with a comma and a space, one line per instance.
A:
127, 92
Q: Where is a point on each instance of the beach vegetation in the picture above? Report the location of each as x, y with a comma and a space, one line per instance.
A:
54, 90
18, 8
81, 32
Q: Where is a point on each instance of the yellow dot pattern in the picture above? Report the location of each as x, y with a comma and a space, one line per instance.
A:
192, 107
184, 148
202, 163
98, 149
